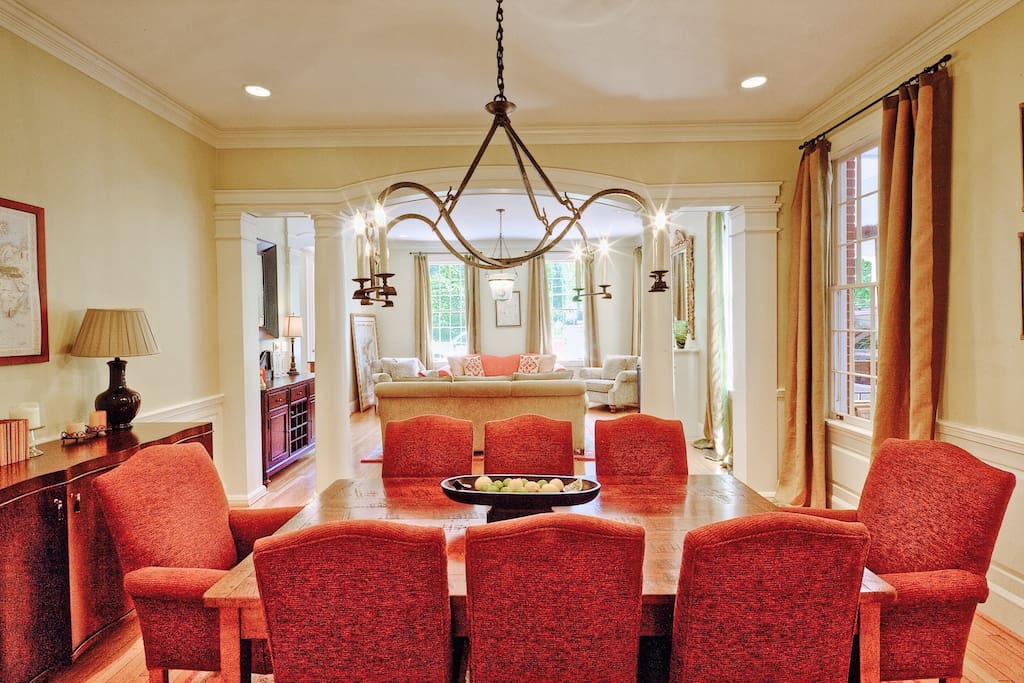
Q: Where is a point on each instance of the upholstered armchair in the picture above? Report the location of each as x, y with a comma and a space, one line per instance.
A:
933, 511
357, 600
175, 537
554, 597
528, 444
768, 597
614, 383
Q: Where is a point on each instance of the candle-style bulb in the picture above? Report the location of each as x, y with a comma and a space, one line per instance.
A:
380, 217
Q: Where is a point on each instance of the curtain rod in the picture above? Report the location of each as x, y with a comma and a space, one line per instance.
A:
910, 81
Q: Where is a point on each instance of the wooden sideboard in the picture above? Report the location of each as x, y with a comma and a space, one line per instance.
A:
60, 582
288, 409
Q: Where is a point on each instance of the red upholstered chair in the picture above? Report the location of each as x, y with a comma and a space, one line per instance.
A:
934, 511
175, 537
357, 600
639, 444
769, 597
428, 446
528, 444
554, 597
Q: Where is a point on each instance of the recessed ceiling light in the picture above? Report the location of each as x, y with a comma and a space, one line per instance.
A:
754, 82
257, 91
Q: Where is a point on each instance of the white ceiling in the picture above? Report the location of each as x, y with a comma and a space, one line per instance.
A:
400, 70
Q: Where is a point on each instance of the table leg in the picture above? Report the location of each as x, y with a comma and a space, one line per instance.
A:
230, 645
870, 647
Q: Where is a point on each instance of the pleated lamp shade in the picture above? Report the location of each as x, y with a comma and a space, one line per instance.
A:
114, 332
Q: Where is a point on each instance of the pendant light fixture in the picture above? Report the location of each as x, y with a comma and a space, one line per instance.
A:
374, 276
501, 281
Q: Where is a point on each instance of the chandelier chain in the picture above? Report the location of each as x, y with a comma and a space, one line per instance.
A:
499, 34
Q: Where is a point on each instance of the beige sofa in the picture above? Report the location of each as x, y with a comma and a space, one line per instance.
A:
484, 400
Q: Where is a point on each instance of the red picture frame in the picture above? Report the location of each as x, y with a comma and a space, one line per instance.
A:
24, 328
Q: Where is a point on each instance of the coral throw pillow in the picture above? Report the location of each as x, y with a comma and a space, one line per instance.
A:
473, 366
529, 363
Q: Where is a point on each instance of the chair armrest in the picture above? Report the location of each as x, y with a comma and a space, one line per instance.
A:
944, 586
591, 373
248, 524
624, 377
839, 515
171, 583
378, 377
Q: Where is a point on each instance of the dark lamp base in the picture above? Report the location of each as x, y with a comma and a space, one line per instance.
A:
120, 402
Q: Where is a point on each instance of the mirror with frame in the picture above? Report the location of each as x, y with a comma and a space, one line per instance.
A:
682, 279
269, 319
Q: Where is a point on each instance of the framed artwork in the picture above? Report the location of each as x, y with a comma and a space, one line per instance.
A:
364, 351
24, 332
506, 313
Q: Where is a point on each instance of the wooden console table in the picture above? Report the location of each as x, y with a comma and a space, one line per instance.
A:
288, 405
61, 582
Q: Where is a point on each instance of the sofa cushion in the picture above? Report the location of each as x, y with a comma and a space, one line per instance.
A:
500, 365
483, 378
613, 365
400, 368
455, 365
557, 374
529, 363
473, 366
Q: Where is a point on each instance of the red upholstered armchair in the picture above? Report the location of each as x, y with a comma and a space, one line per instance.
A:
639, 444
428, 446
554, 597
357, 600
528, 444
934, 511
769, 597
175, 537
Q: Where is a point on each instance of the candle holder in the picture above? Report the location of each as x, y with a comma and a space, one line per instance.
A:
604, 293
33, 450
659, 284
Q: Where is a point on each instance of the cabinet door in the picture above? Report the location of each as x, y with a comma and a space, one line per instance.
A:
35, 622
97, 594
279, 432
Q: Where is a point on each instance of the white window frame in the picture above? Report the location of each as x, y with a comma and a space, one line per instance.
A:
847, 337
440, 350
558, 343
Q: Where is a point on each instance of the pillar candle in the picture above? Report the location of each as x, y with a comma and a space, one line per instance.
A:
27, 411
362, 260
382, 256
74, 428
98, 418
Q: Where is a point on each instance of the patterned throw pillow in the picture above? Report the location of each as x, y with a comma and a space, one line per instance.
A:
529, 363
473, 366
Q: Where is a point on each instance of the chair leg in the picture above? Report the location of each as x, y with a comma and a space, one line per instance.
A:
159, 676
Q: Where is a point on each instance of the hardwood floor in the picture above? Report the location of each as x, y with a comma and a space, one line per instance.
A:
994, 655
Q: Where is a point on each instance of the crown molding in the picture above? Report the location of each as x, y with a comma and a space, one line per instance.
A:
567, 135
56, 42
923, 50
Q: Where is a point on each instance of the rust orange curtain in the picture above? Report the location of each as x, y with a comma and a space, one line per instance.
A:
802, 464
913, 237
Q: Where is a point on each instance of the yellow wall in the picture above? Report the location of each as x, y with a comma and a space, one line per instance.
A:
985, 364
128, 200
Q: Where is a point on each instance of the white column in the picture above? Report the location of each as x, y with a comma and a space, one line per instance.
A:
239, 448
334, 457
753, 244
656, 342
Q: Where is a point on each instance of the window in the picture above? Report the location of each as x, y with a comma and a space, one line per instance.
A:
566, 314
853, 285
447, 310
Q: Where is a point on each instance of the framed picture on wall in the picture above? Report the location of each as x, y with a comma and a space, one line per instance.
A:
24, 333
364, 351
506, 313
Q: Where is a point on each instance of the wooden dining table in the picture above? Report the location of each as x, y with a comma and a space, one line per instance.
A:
667, 507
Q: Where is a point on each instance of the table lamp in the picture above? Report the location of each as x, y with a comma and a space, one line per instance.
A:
292, 329
116, 332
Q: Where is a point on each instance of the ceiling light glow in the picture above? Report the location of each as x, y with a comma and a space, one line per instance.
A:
257, 91
754, 82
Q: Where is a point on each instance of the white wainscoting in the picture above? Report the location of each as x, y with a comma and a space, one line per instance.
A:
849, 449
